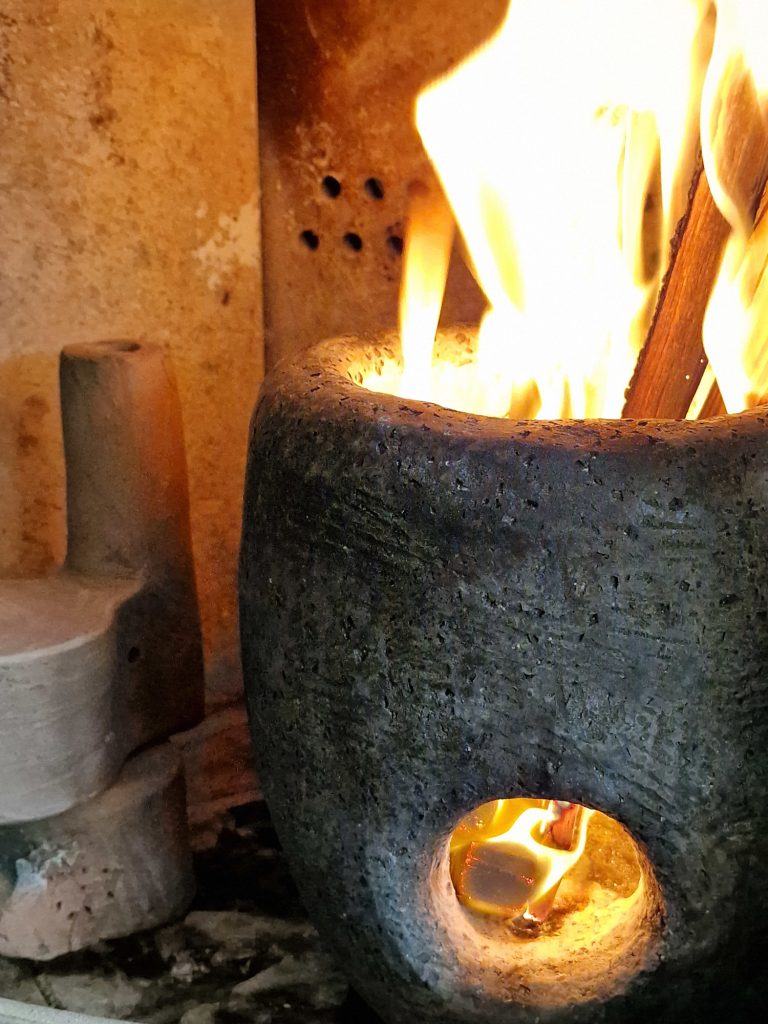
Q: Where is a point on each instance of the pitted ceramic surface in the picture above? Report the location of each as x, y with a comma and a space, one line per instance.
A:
440, 609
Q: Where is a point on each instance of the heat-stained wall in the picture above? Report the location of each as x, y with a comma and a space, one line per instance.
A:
337, 84
129, 208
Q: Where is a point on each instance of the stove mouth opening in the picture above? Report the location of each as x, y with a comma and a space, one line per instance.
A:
377, 366
549, 902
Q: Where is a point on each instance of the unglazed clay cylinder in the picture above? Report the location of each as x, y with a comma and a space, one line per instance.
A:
440, 609
117, 864
62, 710
128, 517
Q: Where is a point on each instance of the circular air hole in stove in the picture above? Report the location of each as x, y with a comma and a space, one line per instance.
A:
310, 239
374, 188
331, 186
353, 241
556, 896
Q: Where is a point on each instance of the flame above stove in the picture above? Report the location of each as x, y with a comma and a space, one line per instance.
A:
565, 147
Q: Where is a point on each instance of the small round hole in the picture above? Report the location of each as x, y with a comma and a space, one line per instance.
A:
353, 241
134, 654
331, 186
374, 188
124, 346
395, 243
310, 239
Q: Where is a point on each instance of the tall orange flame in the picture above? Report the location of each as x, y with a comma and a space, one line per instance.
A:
507, 859
736, 325
565, 146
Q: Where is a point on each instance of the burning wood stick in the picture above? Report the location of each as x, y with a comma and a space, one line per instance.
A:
564, 827
672, 362
713, 404
708, 400
671, 365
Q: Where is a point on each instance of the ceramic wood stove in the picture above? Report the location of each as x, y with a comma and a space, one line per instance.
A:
440, 610
505, 665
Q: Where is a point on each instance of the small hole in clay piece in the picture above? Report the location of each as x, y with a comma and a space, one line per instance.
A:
331, 186
125, 346
395, 243
134, 654
374, 188
310, 239
353, 241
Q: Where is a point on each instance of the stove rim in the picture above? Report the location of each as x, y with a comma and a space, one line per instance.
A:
332, 371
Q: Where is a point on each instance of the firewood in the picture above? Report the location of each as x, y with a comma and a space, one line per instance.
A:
713, 405
563, 828
672, 362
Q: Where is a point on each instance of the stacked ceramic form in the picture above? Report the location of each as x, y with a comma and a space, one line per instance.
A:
99, 665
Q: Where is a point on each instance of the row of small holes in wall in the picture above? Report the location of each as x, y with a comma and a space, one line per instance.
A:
333, 189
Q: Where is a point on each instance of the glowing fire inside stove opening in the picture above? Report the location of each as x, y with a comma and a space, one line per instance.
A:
510, 858
566, 147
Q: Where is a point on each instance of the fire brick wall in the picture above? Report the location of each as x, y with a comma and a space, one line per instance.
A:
129, 207
339, 149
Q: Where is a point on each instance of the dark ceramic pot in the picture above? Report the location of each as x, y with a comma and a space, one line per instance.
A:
441, 609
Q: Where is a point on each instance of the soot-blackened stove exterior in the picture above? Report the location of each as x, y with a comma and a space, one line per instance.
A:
441, 609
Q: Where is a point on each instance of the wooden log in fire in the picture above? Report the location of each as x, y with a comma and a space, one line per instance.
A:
672, 363
713, 404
